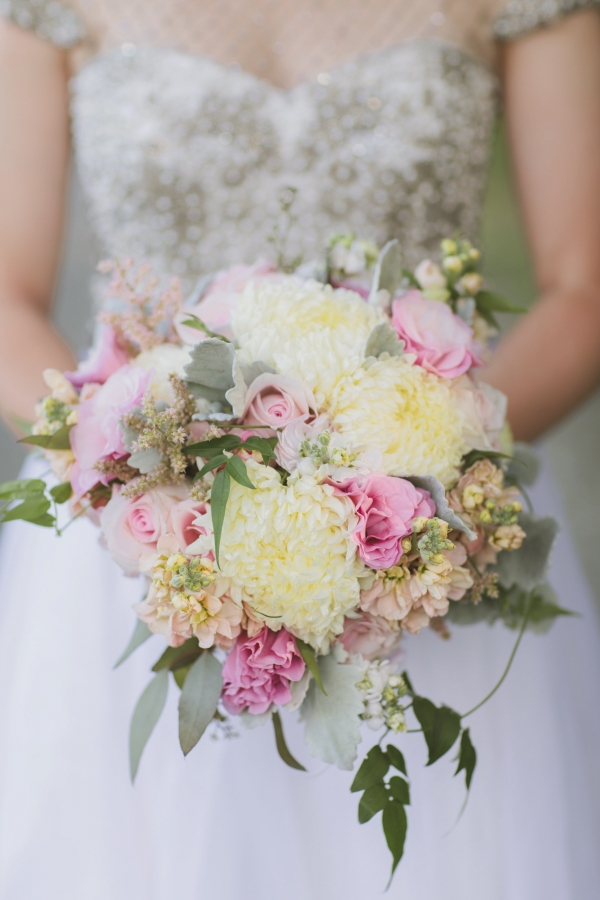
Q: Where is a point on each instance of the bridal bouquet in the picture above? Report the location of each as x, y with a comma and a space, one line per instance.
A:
305, 467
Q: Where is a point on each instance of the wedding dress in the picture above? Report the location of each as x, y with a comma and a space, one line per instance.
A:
383, 126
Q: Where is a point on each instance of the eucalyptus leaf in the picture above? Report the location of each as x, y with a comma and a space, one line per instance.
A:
61, 492
237, 469
489, 302
436, 489
395, 825
219, 496
388, 271
308, 655
383, 339
145, 461
372, 801
440, 724
145, 716
175, 657
19, 490
141, 633
57, 441
528, 566
467, 757
400, 790
181, 674
282, 747
209, 374
332, 724
29, 510
372, 770
199, 700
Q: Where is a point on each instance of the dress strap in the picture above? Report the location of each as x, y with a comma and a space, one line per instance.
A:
522, 16
51, 20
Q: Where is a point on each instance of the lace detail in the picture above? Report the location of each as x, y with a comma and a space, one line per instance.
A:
50, 19
522, 16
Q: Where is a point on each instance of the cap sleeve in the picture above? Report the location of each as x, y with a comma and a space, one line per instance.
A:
51, 20
522, 16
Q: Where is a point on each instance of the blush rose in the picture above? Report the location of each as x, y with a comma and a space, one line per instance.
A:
103, 360
277, 401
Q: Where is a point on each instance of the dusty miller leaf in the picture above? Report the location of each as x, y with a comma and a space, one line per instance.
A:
253, 369
383, 339
145, 461
388, 271
528, 566
209, 373
524, 466
436, 489
332, 724
199, 700
145, 716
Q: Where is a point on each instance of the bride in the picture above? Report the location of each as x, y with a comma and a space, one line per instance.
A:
188, 118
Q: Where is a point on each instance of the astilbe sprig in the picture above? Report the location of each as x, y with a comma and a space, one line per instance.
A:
164, 430
147, 318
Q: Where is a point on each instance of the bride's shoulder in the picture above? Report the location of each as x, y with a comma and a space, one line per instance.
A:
58, 21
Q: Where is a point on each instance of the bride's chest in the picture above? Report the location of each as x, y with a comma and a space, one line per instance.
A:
179, 155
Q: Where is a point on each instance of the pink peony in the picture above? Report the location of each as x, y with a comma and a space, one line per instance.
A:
386, 507
97, 435
278, 401
221, 299
369, 635
258, 671
132, 528
190, 520
103, 360
442, 342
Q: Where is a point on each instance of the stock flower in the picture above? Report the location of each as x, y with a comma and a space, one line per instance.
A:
97, 435
287, 551
442, 342
258, 671
385, 508
406, 413
278, 401
306, 330
105, 358
133, 527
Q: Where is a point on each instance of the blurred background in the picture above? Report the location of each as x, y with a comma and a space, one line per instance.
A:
571, 449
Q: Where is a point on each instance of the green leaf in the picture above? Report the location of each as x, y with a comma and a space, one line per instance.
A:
145, 716
527, 566
18, 490
406, 273
237, 469
45, 521
194, 322
219, 496
225, 442
408, 684
400, 790
308, 655
57, 441
373, 770
141, 633
61, 492
282, 747
180, 675
475, 455
175, 657
262, 446
199, 700
372, 801
440, 724
467, 757
394, 827
213, 463
29, 510
396, 758
489, 302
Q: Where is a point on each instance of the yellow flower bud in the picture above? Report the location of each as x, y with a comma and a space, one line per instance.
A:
472, 496
449, 247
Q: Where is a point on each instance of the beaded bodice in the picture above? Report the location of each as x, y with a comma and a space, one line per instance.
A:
182, 157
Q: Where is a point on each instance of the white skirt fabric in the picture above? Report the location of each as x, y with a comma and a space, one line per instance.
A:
232, 821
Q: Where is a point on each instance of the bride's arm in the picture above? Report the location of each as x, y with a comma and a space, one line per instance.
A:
34, 150
551, 360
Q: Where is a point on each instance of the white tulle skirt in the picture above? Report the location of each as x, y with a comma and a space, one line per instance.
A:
231, 821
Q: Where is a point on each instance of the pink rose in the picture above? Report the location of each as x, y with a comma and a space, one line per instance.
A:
258, 671
443, 343
132, 528
278, 401
221, 299
385, 507
483, 413
105, 358
369, 635
190, 520
97, 435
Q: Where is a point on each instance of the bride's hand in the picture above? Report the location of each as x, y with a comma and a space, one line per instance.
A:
34, 151
551, 360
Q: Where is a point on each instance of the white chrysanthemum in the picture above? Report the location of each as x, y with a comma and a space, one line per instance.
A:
308, 330
404, 411
287, 551
164, 360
